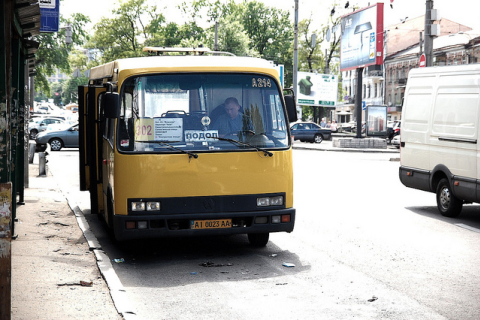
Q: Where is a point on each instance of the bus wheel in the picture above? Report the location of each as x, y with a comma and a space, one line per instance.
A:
258, 239
448, 205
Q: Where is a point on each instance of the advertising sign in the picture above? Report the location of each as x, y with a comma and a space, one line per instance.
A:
317, 89
49, 15
280, 68
362, 38
376, 121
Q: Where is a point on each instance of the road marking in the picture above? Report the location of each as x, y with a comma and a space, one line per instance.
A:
461, 225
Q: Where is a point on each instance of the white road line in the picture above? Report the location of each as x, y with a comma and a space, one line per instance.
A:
461, 225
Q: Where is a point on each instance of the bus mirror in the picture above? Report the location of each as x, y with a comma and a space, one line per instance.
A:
111, 105
291, 108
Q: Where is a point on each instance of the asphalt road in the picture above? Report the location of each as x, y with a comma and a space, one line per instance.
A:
364, 247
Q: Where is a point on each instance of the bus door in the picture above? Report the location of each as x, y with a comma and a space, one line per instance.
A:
83, 165
91, 146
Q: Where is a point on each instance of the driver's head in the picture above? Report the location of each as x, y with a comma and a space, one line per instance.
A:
232, 107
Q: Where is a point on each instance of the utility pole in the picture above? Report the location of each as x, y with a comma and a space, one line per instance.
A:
295, 51
428, 33
216, 37
421, 43
358, 102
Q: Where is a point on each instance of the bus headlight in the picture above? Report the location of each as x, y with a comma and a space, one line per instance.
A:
153, 206
270, 201
138, 206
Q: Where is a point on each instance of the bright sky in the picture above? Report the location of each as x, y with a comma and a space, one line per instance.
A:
461, 11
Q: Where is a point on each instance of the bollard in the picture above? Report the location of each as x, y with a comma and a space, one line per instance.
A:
42, 164
31, 152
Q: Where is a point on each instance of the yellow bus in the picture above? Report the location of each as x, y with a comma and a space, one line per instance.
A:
196, 143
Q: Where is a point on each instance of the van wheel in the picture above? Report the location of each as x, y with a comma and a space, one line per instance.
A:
258, 239
448, 205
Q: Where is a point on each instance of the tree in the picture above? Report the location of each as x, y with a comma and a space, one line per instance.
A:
269, 30
120, 36
53, 52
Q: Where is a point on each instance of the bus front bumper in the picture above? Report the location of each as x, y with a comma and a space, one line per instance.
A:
181, 225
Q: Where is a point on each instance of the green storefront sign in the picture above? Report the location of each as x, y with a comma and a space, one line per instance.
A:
305, 101
326, 103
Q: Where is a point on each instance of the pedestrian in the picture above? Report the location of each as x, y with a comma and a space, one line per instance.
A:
322, 123
333, 126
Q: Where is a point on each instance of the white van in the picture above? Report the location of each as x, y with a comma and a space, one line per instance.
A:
439, 136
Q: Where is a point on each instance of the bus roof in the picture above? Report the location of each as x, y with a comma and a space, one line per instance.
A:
142, 65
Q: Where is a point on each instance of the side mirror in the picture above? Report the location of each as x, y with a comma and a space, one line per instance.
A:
111, 104
291, 108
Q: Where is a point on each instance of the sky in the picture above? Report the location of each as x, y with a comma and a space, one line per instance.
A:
461, 11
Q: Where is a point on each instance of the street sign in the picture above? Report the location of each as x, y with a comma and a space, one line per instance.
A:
49, 15
423, 61
364, 106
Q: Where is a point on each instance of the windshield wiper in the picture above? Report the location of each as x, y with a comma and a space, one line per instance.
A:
265, 152
190, 154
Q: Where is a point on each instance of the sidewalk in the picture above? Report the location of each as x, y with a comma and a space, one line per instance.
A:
54, 274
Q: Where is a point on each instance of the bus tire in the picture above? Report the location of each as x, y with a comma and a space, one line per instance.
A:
258, 239
448, 205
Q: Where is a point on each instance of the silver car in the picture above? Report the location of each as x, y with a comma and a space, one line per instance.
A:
58, 139
36, 125
396, 141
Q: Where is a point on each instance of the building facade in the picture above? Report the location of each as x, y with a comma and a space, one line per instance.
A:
385, 85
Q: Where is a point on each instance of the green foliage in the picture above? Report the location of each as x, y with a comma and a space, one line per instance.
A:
119, 36
53, 52
70, 89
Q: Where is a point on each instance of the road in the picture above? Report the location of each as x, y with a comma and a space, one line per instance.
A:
364, 247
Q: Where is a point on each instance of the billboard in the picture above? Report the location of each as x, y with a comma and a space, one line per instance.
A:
376, 121
362, 38
49, 15
317, 89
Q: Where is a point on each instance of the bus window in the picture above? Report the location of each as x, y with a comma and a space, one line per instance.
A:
191, 112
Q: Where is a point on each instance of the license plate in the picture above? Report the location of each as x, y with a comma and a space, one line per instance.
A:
211, 224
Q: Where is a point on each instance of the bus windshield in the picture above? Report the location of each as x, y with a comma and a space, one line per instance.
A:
201, 112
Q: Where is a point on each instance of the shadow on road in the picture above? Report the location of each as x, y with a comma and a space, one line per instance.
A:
171, 262
470, 215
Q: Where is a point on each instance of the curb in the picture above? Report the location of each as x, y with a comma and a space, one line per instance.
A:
347, 150
117, 290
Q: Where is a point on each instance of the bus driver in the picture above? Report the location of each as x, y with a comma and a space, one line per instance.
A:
233, 121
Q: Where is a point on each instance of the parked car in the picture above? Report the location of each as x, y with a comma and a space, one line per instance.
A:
393, 129
309, 131
396, 127
58, 139
40, 124
396, 141
347, 126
